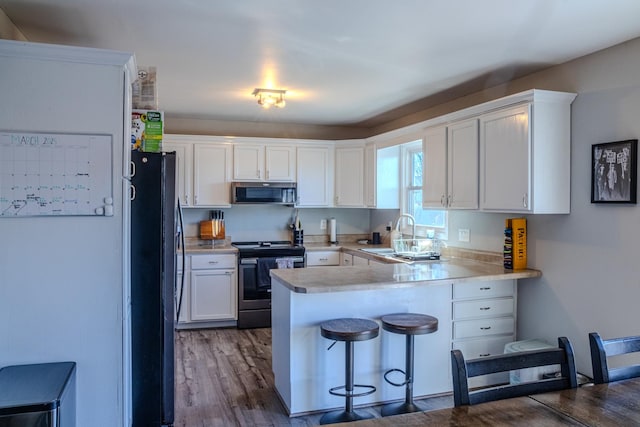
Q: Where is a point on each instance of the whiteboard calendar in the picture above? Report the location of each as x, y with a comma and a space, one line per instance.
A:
55, 174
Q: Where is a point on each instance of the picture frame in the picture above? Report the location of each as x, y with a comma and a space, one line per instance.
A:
614, 169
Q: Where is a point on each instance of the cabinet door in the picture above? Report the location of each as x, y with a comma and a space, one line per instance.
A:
370, 176
211, 166
213, 295
314, 172
434, 175
358, 260
346, 259
248, 162
505, 168
280, 163
462, 179
184, 158
349, 177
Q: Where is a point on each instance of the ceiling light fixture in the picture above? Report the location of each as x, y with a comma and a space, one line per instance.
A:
270, 97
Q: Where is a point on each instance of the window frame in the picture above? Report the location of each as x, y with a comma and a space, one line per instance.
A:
407, 151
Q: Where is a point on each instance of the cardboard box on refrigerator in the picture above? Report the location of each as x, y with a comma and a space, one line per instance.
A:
147, 129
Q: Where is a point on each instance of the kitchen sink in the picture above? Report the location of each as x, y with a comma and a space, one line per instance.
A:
405, 257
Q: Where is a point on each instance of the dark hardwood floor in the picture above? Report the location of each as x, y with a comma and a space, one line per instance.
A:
224, 378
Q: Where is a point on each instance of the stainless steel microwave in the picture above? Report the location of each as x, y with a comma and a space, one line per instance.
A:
282, 193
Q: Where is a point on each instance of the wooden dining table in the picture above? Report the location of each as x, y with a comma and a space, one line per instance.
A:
612, 404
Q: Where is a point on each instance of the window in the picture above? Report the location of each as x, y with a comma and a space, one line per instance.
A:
426, 219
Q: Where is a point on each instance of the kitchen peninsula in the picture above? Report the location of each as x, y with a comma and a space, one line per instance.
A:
475, 303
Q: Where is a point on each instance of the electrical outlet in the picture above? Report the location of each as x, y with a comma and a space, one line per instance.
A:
463, 234
323, 224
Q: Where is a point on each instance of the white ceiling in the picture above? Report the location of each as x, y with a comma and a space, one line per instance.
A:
343, 62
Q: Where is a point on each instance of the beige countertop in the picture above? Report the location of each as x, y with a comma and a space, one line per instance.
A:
397, 275
194, 246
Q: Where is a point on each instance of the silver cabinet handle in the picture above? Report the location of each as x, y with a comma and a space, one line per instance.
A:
486, 288
485, 308
485, 328
133, 192
213, 262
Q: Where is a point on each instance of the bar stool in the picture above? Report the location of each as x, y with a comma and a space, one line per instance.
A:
348, 330
408, 324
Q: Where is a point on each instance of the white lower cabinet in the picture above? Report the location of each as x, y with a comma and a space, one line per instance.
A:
484, 320
346, 259
323, 258
213, 287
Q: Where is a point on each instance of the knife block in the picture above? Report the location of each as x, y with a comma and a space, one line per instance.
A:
212, 229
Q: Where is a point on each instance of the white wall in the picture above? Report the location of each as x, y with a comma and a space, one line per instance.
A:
62, 279
590, 271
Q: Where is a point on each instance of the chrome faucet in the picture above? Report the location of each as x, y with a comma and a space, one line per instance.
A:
413, 223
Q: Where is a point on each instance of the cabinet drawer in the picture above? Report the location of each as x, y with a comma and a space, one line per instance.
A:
472, 349
316, 258
482, 308
201, 262
500, 288
483, 327
475, 348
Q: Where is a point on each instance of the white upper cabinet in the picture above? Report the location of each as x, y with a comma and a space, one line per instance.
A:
506, 172
349, 186
525, 158
434, 174
184, 158
248, 162
370, 170
203, 169
462, 164
450, 176
211, 172
315, 175
256, 162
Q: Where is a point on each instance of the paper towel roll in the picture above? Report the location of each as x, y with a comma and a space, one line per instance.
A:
332, 231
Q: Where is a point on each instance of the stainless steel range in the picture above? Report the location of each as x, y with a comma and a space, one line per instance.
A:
255, 259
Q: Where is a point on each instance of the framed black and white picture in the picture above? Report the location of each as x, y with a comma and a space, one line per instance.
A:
614, 171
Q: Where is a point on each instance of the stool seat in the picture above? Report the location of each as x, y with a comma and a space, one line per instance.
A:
409, 323
349, 329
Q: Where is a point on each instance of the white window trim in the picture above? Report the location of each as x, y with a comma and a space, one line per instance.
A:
441, 233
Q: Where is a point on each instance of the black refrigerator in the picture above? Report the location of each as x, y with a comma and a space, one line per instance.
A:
153, 278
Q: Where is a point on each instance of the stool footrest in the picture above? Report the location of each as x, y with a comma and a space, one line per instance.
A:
406, 381
369, 389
